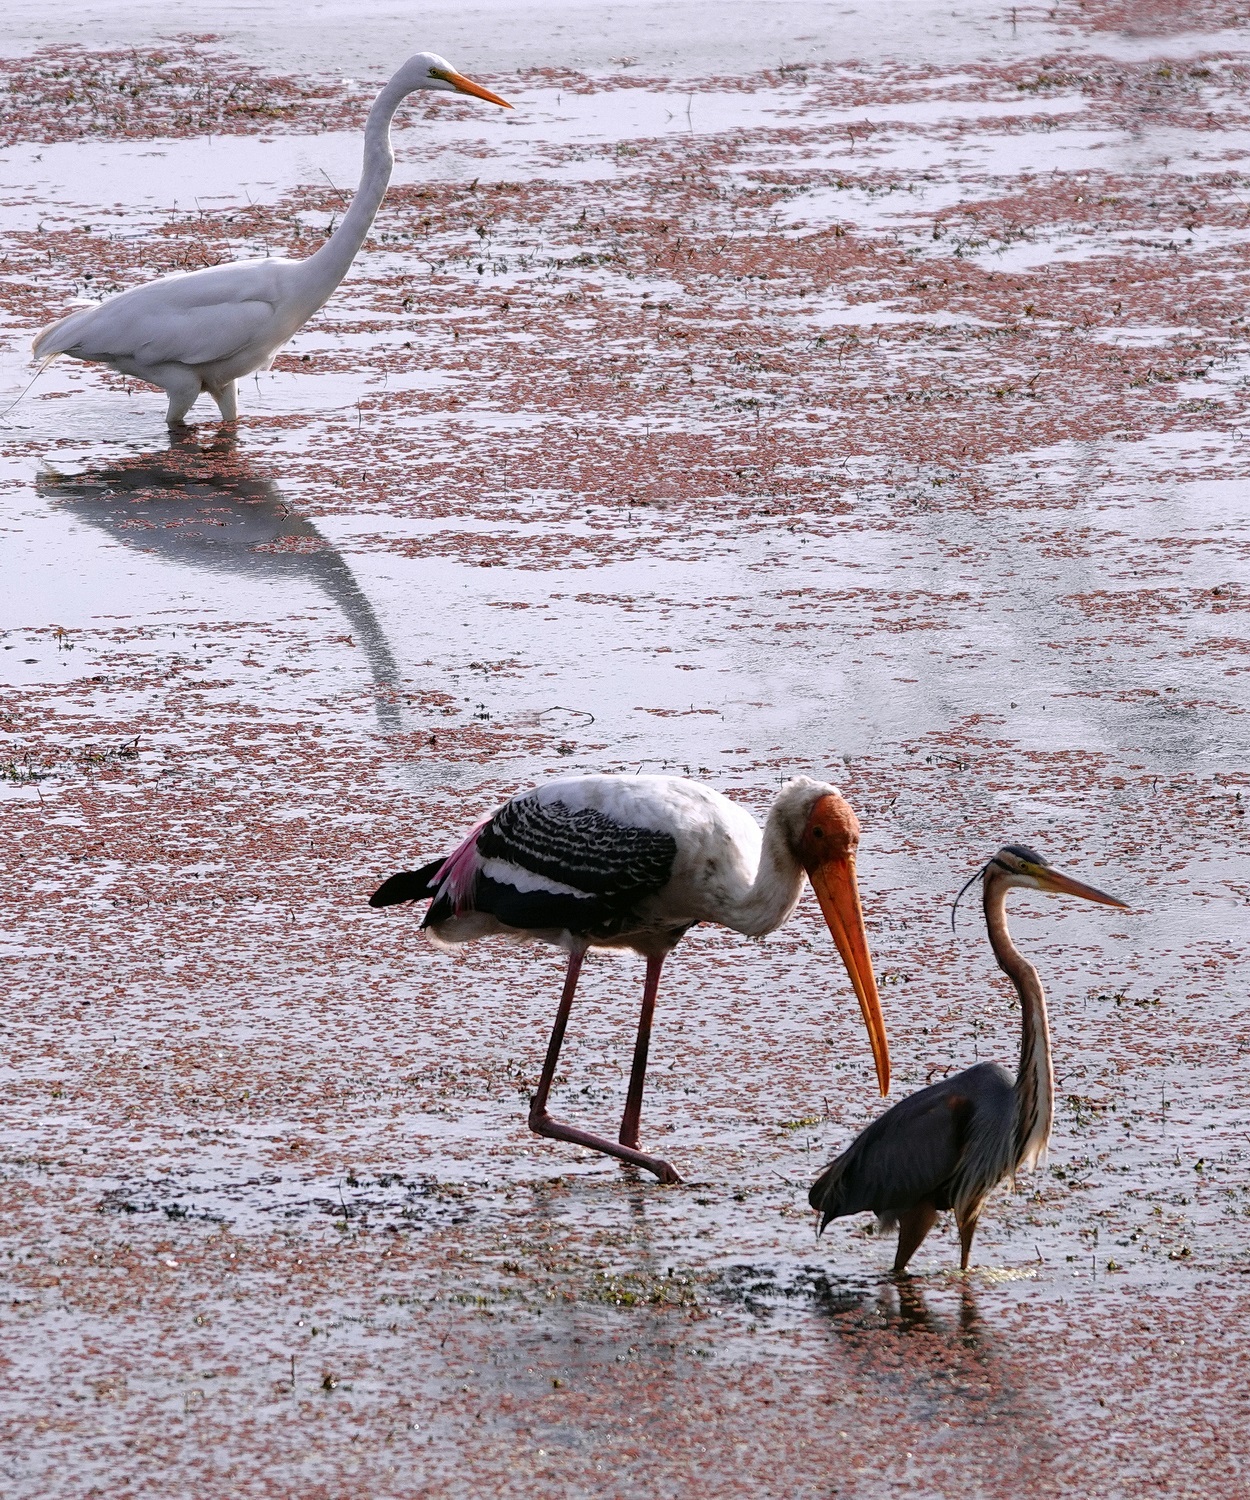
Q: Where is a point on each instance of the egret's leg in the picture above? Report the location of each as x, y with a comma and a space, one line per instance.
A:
541, 1123
181, 385
638, 1073
967, 1228
227, 399
913, 1225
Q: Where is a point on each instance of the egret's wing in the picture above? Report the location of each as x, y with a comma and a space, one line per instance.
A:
195, 319
913, 1150
543, 864
200, 335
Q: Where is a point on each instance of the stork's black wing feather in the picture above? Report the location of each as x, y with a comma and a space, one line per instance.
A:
535, 911
575, 868
580, 847
911, 1154
408, 885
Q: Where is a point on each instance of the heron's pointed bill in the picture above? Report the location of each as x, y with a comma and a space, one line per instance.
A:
465, 85
1052, 880
837, 891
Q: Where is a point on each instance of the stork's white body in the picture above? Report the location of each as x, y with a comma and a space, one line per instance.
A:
725, 868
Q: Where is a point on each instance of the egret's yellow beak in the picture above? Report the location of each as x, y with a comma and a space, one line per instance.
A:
465, 85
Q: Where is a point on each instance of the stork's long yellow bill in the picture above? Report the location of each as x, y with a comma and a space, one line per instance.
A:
837, 890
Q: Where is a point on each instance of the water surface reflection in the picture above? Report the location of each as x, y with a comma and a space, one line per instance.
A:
201, 505
775, 1381
942, 1377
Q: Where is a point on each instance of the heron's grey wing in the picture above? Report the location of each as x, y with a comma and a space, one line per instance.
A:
909, 1154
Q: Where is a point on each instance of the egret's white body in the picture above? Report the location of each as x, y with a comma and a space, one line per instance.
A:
201, 331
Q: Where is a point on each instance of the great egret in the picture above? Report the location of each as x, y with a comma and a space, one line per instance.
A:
948, 1146
202, 330
633, 862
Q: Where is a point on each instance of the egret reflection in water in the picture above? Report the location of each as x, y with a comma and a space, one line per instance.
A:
202, 506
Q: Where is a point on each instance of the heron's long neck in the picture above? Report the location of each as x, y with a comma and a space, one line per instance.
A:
774, 893
322, 272
1035, 1080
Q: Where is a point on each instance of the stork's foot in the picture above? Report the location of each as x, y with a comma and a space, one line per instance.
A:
541, 1123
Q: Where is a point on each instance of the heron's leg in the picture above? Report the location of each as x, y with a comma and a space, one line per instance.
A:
913, 1225
638, 1073
541, 1123
227, 399
967, 1228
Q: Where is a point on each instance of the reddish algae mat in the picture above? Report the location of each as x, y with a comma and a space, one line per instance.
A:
877, 415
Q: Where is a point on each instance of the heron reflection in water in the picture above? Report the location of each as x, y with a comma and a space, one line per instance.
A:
202, 506
925, 1368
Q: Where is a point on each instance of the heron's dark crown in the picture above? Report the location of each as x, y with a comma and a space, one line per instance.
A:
1022, 851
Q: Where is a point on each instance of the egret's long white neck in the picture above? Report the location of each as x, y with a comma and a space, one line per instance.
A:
322, 272
1035, 1080
774, 893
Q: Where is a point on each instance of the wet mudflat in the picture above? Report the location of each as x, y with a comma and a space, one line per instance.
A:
878, 414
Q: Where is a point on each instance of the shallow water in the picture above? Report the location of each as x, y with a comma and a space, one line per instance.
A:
880, 422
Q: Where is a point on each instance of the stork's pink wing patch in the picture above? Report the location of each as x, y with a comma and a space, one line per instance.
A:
459, 872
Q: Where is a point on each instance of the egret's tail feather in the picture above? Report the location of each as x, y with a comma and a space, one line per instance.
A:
408, 885
57, 337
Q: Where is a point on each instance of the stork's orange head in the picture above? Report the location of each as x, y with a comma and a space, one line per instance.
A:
832, 832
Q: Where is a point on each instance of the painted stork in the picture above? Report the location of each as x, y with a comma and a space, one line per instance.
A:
950, 1145
634, 862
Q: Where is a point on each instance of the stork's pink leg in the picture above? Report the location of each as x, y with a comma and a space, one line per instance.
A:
638, 1073
538, 1104
541, 1123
